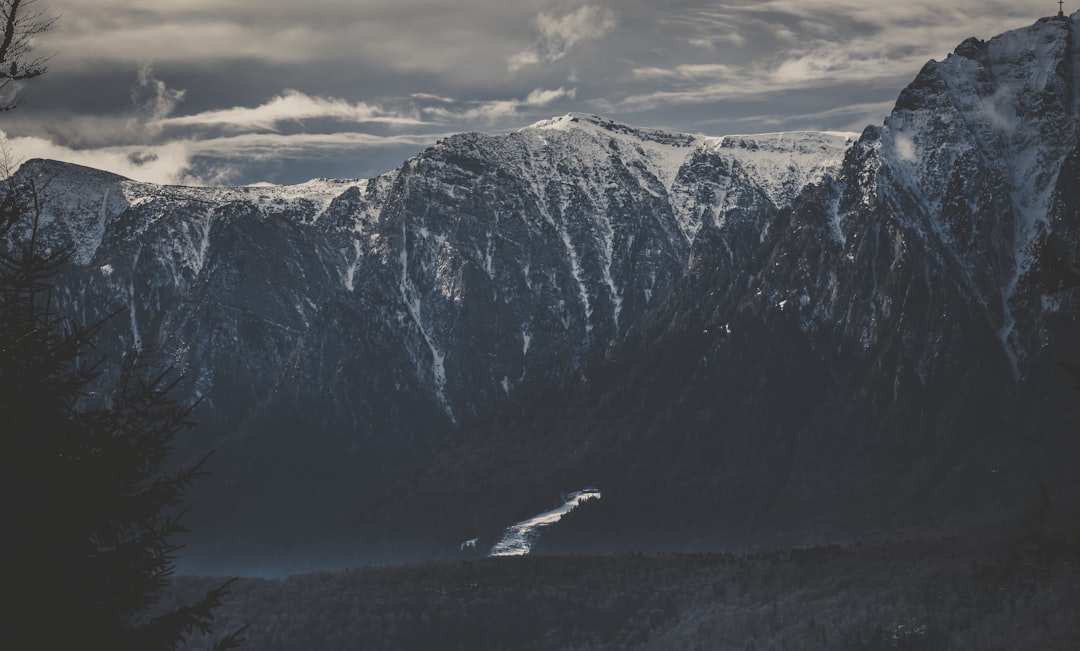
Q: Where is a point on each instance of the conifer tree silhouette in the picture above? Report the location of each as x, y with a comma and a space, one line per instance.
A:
88, 508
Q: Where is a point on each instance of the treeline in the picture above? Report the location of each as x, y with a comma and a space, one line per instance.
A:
947, 594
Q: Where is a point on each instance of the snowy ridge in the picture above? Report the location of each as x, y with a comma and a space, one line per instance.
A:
786, 162
663, 152
782, 163
84, 202
579, 222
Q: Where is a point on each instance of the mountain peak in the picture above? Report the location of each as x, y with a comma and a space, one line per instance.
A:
567, 121
598, 125
47, 168
579, 120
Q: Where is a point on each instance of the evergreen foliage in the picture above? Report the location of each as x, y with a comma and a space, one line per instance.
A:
931, 595
20, 21
89, 510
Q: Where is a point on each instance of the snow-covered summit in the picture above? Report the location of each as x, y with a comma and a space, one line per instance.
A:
605, 126
784, 163
780, 163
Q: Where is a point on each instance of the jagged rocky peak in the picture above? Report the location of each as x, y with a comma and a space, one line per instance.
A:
972, 153
82, 205
545, 243
883, 326
45, 169
1015, 91
971, 48
77, 202
601, 125
780, 164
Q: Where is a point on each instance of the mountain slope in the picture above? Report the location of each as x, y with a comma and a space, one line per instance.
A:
892, 352
337, 330
771, 338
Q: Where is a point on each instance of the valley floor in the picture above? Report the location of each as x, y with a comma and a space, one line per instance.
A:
941, 594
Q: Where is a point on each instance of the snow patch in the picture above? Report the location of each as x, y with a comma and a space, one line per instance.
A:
520, 538
350, 271
199, 263
412, 304
575, 269
608, 242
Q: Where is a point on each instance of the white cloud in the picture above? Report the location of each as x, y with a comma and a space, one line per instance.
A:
152, 97
293, 105
785, 45
168, 163
559, 33
905, 148
999, 109
305, 145
690, 72
850, 117
215, 147
523, 59
432, 98
823, 67
174, 162
496, 110
540, 97
413, 66
463, 38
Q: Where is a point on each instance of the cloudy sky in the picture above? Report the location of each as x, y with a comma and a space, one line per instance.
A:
243, 91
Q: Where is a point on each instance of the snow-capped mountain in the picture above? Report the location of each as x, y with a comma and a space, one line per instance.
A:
561, 234
339, 328
783, 325
895, 344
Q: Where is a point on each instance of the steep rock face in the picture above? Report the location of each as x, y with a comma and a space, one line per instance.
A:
888, 349
916, 271
337, 329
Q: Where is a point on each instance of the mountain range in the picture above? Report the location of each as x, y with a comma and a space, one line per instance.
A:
755, 339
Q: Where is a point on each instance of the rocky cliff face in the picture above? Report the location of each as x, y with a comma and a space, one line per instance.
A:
337, 330
785, 326
890, 349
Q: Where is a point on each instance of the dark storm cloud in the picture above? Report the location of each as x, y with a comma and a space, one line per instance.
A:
205, 91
